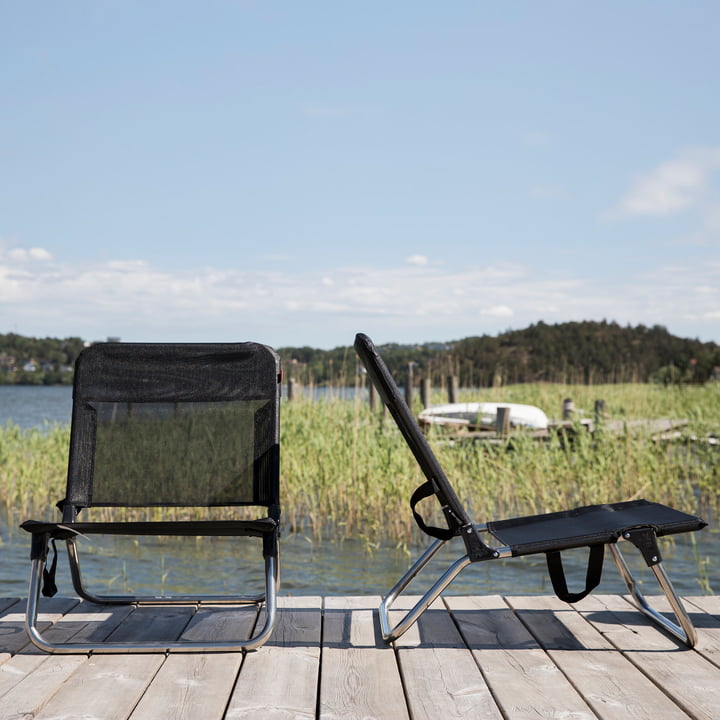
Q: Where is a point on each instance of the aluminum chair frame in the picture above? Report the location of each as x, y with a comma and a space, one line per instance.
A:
214, 388
642, 530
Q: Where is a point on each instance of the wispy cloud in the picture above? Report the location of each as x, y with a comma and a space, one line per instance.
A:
419, 260
677, 185
40, 295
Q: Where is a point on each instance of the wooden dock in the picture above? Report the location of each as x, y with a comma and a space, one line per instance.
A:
468, 657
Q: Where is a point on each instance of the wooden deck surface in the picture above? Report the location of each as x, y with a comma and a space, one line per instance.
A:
468, 657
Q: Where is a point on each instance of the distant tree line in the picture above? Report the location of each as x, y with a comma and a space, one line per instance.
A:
35, 361
575, 352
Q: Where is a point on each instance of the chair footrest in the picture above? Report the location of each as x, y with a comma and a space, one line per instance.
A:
589, 525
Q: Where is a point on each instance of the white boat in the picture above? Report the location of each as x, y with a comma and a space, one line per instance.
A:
483, 415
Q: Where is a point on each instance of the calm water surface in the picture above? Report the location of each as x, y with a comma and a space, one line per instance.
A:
153, 565
29, 406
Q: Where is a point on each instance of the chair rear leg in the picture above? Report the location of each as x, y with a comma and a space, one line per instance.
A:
392, 632
683, 629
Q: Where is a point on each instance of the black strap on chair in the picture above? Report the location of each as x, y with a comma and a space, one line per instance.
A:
592, 579
427, 490
49, 587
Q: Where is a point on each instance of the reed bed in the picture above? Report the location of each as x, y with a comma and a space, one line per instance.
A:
346, 471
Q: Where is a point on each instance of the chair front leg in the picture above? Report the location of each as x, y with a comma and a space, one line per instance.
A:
683, 629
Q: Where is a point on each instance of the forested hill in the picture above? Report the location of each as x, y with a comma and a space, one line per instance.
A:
577, 352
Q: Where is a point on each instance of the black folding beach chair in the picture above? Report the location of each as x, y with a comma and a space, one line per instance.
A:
191, 426
639, 522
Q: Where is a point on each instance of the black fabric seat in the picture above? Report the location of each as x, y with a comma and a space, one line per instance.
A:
638, 522
157, 425
585, 526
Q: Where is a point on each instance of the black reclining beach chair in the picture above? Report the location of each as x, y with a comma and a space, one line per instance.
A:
169, 426
639, 522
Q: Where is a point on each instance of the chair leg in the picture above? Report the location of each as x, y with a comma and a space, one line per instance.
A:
272, 577
683, 629
392, 632
83, 592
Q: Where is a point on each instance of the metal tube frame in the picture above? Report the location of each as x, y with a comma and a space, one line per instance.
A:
683, 630
390, 632
272, 579
83, 592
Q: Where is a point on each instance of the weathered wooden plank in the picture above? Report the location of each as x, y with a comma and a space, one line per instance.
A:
608, 653
6, 603
12, 622
153, 623
708, 603
522, 677
197, 685
614, 688
37, 679
440, 675
360, 677
221, 623
110, 686
280, 680
705, 620
190, 685
106, 687
30, 677
692, 681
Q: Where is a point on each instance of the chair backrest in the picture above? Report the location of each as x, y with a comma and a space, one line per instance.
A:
157, 424
395, 403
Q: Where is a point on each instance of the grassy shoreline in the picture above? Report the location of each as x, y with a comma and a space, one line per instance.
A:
346, 471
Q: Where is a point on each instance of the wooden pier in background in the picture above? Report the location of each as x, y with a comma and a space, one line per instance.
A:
468, 657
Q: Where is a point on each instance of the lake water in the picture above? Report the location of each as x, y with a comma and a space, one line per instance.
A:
347, 567
30, 406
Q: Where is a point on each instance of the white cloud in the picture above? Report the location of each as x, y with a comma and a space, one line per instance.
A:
673, 186
137, 301
21, 255
500, 311
419, 260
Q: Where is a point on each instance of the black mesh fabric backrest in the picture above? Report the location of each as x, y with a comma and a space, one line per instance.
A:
175, 425
411, 432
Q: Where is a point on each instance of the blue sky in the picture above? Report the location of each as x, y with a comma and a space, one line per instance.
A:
295, 172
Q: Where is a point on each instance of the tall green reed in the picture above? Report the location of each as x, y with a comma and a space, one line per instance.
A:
346, 472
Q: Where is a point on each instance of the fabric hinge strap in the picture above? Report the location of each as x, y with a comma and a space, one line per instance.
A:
426, 490
592, 579
49, 587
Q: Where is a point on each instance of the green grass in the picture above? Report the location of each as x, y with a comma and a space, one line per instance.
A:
346, 471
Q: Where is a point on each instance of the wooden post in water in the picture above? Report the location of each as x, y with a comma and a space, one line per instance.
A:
452, 388
409, 385
372, 392
502, 421
599, 411
425, 390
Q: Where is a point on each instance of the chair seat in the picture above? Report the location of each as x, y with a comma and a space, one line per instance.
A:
589, 525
